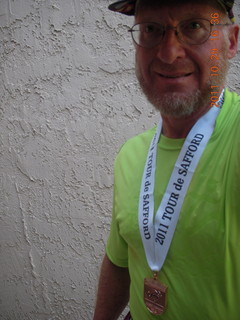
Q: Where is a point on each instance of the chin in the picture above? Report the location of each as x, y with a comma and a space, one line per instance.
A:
178, 104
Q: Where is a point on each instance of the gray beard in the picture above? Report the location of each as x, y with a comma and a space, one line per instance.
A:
177, 104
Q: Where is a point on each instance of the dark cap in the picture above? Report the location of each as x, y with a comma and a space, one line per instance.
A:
128, 7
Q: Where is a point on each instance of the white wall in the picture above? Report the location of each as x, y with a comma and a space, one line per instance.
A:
69, 99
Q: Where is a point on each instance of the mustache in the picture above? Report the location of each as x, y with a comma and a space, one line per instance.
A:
174, 68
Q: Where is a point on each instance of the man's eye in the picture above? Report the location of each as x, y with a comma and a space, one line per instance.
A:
150, 28
194, 25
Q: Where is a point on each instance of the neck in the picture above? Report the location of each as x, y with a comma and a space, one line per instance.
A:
177, 128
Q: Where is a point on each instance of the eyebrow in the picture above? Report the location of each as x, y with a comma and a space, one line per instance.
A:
197, 16
189, 16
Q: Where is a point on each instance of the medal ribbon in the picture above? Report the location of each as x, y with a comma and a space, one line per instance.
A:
157, 235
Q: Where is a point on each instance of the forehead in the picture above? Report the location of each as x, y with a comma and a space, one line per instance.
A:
170, 11
175, 3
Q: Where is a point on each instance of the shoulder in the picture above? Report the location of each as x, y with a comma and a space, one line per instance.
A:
233, 113
228, 120
135, 148
232, 103
228, 128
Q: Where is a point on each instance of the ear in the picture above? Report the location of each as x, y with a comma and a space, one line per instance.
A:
233, 40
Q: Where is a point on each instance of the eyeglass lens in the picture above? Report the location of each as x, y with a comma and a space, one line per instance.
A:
151, 34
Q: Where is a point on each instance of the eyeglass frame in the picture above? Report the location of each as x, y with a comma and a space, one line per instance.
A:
175, 28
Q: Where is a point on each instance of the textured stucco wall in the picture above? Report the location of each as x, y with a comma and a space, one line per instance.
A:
69, 99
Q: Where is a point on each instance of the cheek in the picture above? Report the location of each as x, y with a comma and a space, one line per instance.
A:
143, 59
139, 61
205, 64
212, 72
137, 66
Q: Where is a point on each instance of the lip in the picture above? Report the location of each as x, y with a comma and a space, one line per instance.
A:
175, 75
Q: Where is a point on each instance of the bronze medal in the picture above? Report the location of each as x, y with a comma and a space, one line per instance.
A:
155, 296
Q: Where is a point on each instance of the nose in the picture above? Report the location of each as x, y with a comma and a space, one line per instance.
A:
170, 48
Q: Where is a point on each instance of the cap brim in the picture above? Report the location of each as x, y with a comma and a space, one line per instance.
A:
226, 4
127, 7
124, 6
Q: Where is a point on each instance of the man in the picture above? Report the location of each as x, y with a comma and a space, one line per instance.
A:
174, 242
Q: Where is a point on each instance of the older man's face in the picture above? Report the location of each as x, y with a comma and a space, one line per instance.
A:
178, 78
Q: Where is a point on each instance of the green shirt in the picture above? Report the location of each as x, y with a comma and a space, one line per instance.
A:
202, 268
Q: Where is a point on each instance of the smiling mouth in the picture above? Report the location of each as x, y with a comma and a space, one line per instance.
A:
175, 76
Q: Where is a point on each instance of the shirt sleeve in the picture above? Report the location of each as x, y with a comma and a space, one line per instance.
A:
117, 247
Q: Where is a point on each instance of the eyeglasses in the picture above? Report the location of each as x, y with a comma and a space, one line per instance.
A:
194, 31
